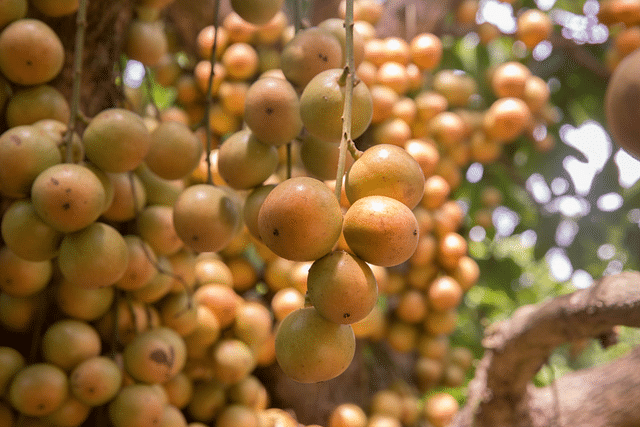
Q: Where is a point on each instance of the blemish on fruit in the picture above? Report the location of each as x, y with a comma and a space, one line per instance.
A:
276, 232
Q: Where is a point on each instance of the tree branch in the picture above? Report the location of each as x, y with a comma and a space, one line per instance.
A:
501, 394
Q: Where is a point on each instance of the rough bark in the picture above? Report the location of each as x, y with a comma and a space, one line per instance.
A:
501, 394
106, 28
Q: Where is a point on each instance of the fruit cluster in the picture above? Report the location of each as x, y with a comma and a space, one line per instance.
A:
151, 277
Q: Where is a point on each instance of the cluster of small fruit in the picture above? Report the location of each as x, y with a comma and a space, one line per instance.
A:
113, 242
623, 19
396, 408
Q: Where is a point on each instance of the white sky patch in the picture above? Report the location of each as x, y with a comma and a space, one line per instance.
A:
566, 232
606, 252
477, 233
581, 279
475, 172
498, 14
133, 73
528, 238
559, 264
559, 186
610, 202
537, 186
591, 140
505, 221
614, 267
545, 4
569, 206
542, 51
629, 168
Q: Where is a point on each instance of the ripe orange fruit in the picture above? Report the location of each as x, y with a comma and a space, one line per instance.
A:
25, 151
244, 161
136, 405
81, 303
322, 106
347, 415
272, 111
533, 26
68, 342
440, 409
386, 170
146, 41
381, 230
310, 348
206, 217
309, 52
509, 79
336, 27
620, 113
38, 389
68, 197
300, 219
175, 150
30, 52
37, 103
116, 140
93, 257
342, 287
257, 12
426, 51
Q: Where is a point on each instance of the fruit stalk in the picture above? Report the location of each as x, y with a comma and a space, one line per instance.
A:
152, 100
81, 25
349, 70
209, 104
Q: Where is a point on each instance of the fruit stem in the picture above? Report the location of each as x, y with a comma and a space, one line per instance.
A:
152, 100
147, 251
115, 334
209, 104
349, 71
81, 25
297, 24
297, 19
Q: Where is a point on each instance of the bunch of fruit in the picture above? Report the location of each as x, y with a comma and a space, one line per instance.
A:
143, 274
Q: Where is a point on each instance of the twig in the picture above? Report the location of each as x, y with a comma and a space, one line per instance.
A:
148, 255
348, 74
152, 100
81, 25
209, 95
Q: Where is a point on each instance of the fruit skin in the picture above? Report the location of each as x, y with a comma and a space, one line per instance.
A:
322, 106
25, 151
342, 287
116, 140
310, 348
30, 52
381, 230
244, 161
38, 389
386, 170
620, 104
272, 111
87, 260
308, 53
300, 219
206, 217
257, 12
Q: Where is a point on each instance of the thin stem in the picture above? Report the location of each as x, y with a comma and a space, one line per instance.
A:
81, 25
115, 331
209, 105
297, 24
297, 18
349, 70
152, 99
149, 255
